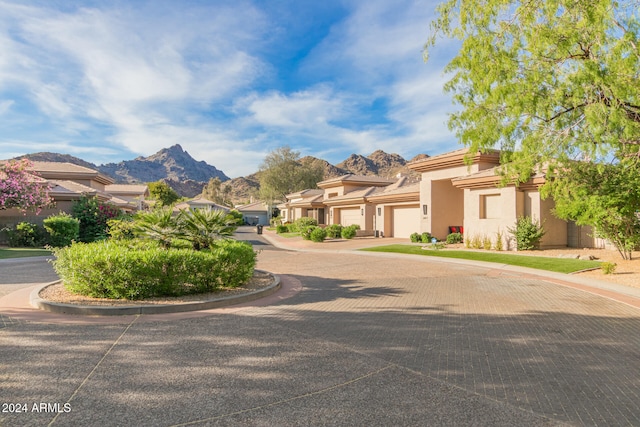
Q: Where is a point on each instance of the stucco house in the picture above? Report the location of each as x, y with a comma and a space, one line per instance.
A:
68, 183
200, 203
347, 203
305, 203
456, 193
256, 213
397, 208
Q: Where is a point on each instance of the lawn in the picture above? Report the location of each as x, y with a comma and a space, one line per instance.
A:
558, 265
6, 253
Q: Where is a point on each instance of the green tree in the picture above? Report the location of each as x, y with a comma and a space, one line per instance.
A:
283, 173
162, 193
546, 81
216, 192
605, 196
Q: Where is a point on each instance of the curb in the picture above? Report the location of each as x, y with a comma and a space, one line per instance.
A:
92, 310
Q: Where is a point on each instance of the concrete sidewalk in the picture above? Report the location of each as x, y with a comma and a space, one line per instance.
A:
357, 340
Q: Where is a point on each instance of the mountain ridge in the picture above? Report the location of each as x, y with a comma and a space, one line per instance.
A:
188, 176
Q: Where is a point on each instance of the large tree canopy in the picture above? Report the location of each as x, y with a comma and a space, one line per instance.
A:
546, 81
283, 173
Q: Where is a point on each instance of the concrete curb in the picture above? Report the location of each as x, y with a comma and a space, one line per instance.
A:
91, 310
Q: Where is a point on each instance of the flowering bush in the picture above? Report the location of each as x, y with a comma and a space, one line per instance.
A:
21, 188
93, 216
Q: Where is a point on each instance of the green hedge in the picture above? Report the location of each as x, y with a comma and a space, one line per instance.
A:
62, 229
349, 232
109, 269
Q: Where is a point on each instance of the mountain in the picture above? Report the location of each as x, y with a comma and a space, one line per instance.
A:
187, 176
46, 156
377, 163
171, 164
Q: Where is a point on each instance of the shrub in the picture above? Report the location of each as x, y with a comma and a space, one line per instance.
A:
425, 237
235, 216
306, 231
415, 238
454, 238
334, 231
62, 229
203, 227
499, 243
300, 224
26, 234
93, 216
476, 242
121, 229
349, 232
108, 269
527, 233
608, 267
318, 234
281, 229
486, 243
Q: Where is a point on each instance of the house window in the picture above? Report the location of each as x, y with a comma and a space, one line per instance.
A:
490, 205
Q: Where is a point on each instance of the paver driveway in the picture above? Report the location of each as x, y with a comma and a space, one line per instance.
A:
360, 340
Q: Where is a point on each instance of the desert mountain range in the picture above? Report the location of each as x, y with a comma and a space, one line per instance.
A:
187, 176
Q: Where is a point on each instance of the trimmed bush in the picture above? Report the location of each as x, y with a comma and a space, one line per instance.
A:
454, 238
415, 238
334, 231
318, 234
306, 231
108, 269
349, 232
62, 229
426, 237
26, 234
281, 229
301, 224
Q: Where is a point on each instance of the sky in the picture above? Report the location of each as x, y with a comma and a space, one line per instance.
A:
230, 81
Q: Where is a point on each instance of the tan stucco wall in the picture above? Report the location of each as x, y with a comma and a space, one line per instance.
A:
437, 192
475, 226
513, 203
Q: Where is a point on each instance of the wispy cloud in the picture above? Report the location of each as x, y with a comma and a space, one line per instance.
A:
227, 81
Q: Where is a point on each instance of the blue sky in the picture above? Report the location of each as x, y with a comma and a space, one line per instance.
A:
228, 80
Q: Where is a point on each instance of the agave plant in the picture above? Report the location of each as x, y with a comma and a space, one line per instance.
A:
203, 227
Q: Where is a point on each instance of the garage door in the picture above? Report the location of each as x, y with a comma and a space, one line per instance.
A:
350, 216
406, 220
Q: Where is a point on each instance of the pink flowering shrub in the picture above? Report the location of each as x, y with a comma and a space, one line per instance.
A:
22, 188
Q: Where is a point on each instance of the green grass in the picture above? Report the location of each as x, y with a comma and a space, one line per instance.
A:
289, 235
6, 253
558, 265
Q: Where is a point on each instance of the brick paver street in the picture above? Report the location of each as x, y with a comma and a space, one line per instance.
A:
354, 339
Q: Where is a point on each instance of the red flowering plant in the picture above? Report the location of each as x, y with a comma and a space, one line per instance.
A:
94, 215
22, 188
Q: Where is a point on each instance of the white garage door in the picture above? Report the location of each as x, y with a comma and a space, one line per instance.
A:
349, 216
406, 220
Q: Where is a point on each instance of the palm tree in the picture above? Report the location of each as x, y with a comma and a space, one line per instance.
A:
160, 225
202, 227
